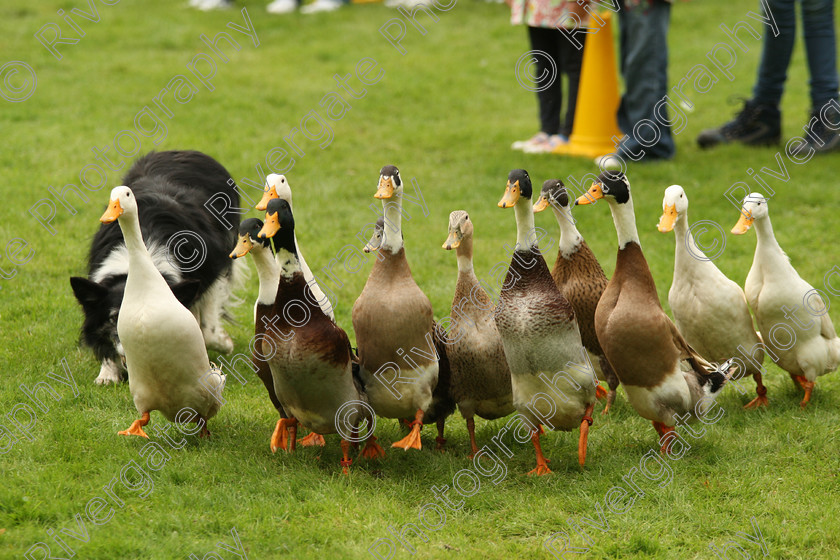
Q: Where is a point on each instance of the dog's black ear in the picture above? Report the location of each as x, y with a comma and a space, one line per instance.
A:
89, 293
185, 291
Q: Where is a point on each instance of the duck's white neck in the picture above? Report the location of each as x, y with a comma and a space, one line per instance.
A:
624, 218
465, 264
685, 249
268, 272
392, 232
525, 236
288, 262
766, 243
464, 252
307, 274
140, 264
570, 237
764, 233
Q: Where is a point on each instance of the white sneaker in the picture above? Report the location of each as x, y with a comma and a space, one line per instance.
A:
208, 5
609, 162
281, 7
321, 6
520, 144
546, 145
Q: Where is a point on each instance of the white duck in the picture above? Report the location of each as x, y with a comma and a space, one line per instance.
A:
809, 346
168, 368
277, 186
710, 310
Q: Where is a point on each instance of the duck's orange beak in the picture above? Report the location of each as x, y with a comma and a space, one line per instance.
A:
511, 195
452, 242
270, 227
113, 212
268, 194
541, 204
386, 188
243, 246
593, 194
669, 216
744, 223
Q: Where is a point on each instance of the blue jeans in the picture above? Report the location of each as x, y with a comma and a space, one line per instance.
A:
643, 41
820, 47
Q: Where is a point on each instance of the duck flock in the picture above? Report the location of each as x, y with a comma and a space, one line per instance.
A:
540, 350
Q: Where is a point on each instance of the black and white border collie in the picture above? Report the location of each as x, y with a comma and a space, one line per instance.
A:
188, 244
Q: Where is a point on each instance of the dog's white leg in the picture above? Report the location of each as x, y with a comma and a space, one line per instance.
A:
108, 373
210, 308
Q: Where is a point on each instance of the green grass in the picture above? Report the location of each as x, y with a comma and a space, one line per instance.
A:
445, 113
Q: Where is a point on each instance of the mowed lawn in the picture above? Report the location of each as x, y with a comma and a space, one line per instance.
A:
444, 107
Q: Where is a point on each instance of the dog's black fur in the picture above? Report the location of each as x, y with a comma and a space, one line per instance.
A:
171, 189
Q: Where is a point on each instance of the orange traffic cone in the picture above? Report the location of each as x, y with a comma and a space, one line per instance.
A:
597, 101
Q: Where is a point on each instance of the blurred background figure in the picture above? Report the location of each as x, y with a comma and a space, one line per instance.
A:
760, 121
643, 60
276, 6
555, 55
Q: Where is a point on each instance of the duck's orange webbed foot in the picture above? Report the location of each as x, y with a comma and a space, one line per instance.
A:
280, 437
372, 450
586, 421
600, 392
312, 440
346, 461
808, 386
412, 440
542, 462
760, 400
136, 428
663, 429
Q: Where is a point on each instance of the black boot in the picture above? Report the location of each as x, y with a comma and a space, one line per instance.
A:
820, 135
755, 125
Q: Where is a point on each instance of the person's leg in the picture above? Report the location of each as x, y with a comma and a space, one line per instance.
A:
821, 48
644, 66
572, 59
776, 53
759, 122
550, 94
820, 45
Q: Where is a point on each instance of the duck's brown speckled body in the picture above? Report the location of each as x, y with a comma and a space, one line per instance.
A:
551, 384
480, 375
580, 278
